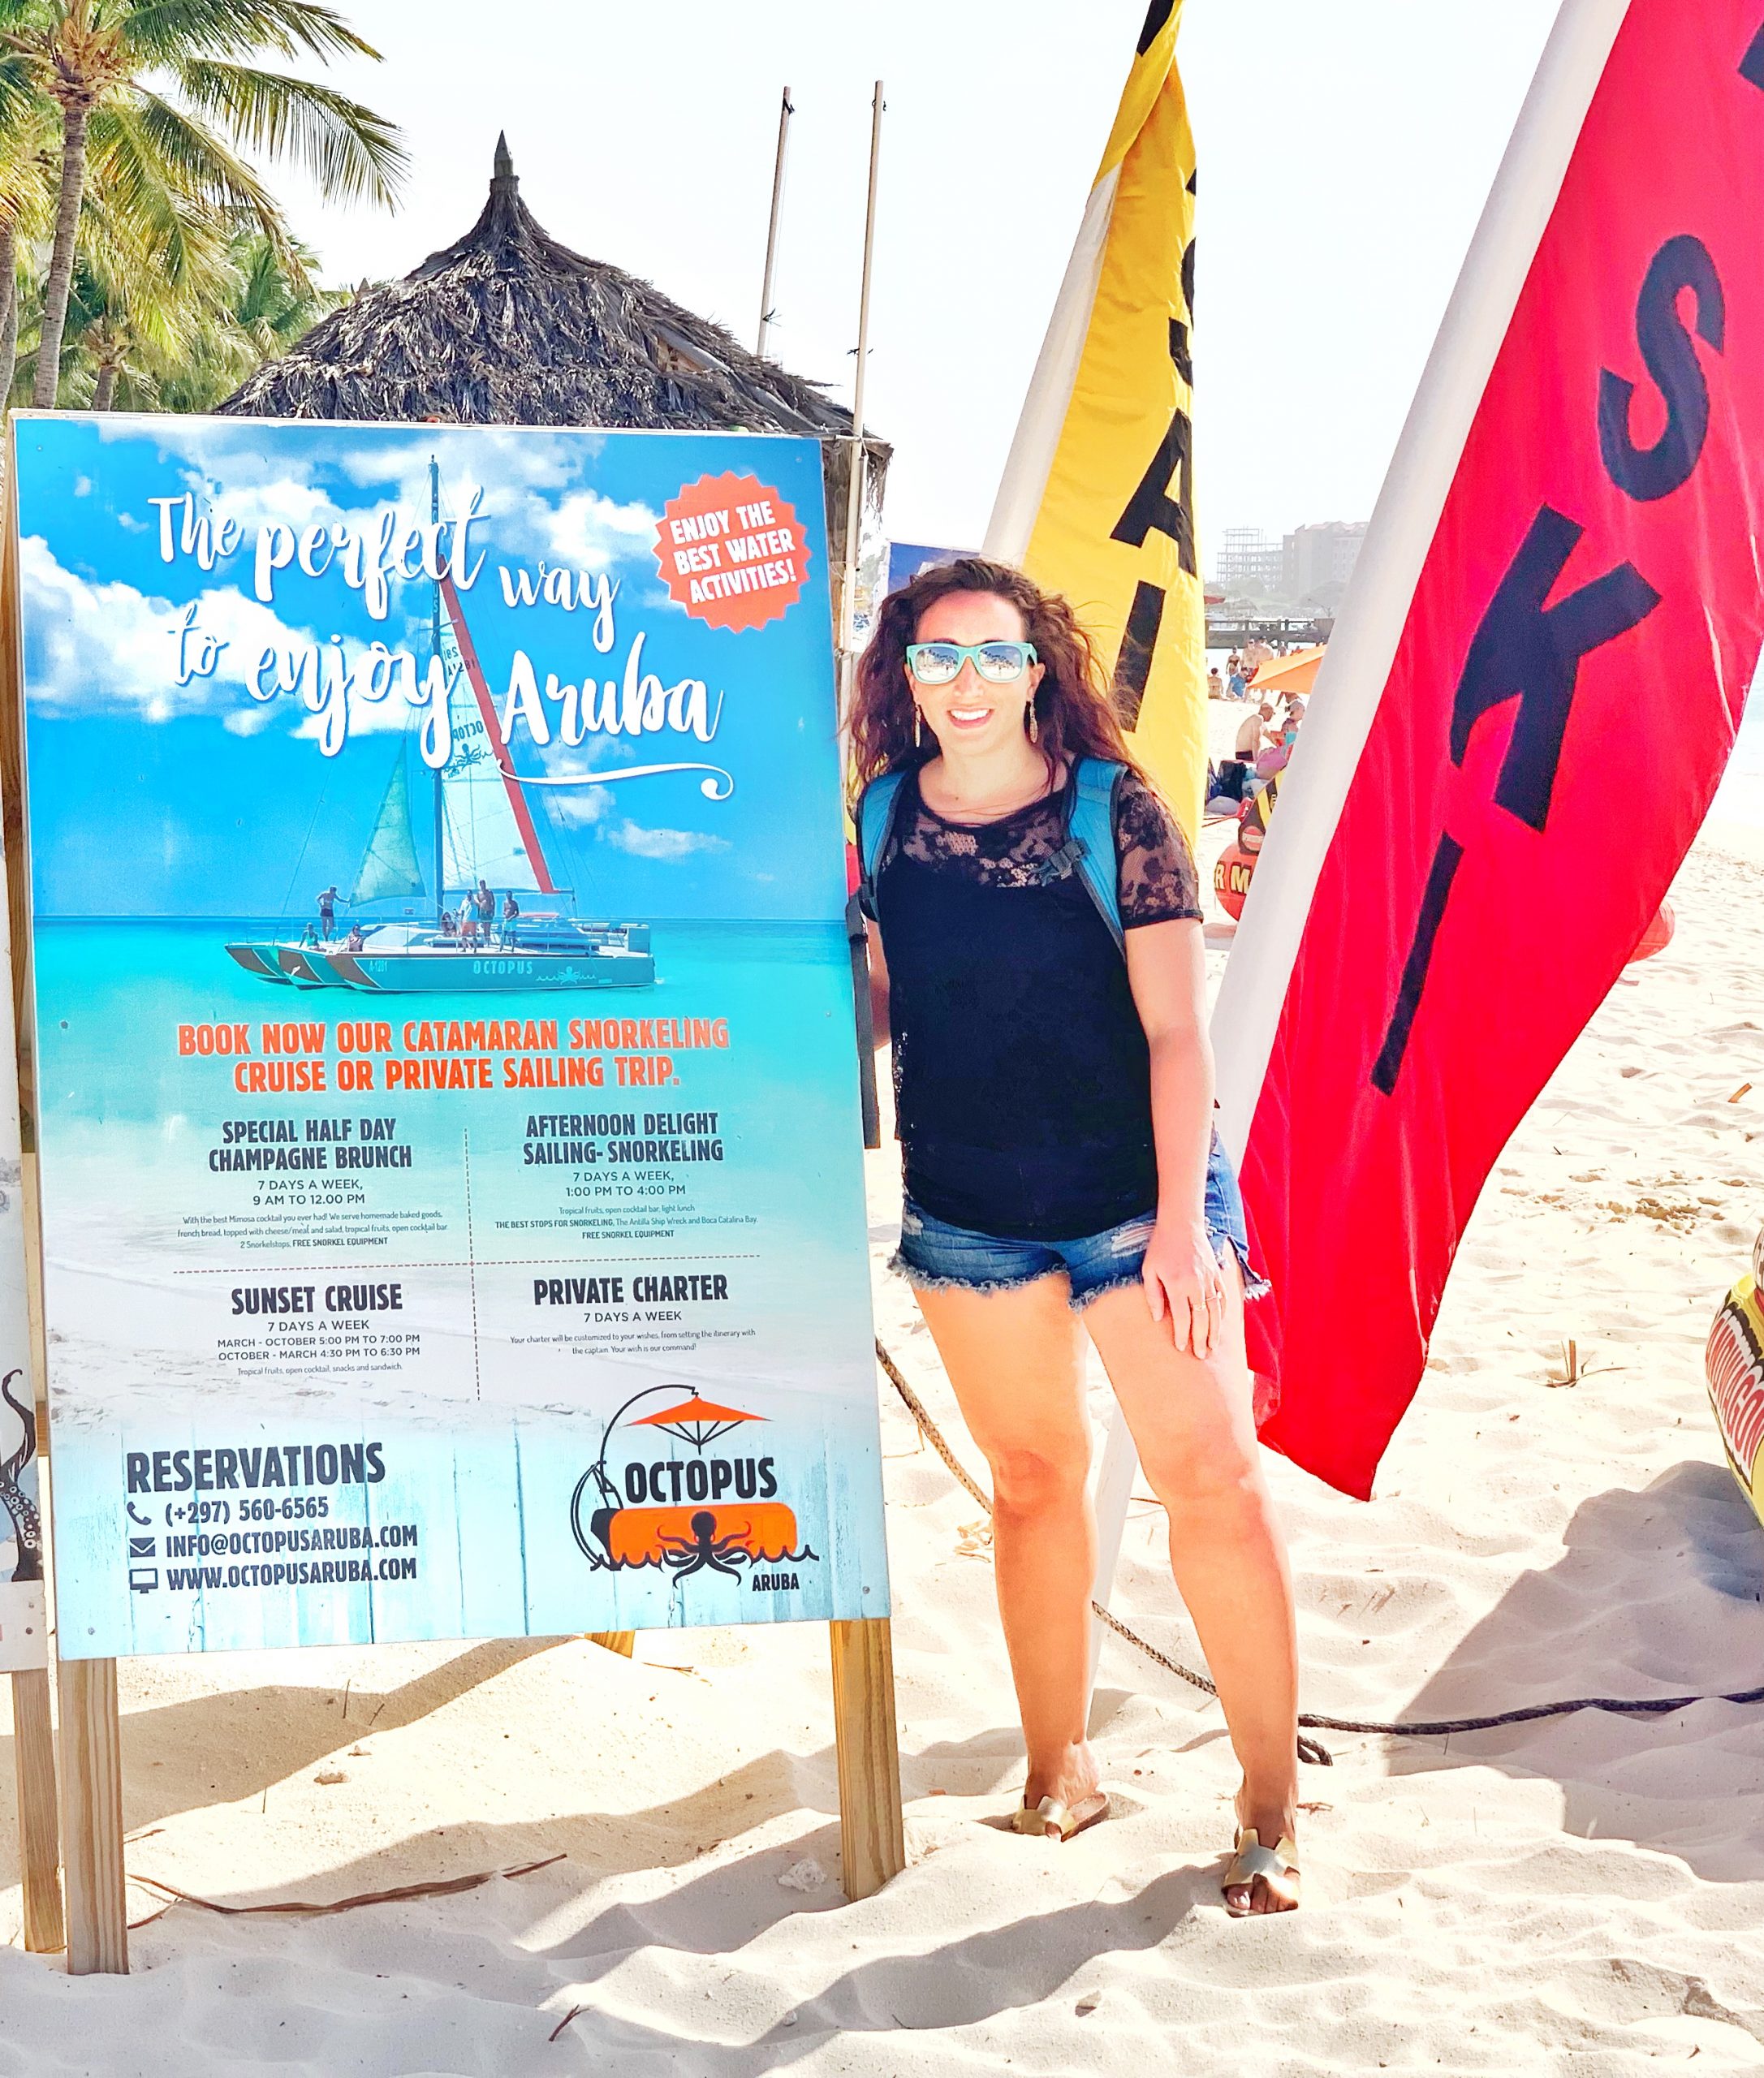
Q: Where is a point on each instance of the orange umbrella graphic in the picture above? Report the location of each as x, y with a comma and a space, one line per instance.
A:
695, 1421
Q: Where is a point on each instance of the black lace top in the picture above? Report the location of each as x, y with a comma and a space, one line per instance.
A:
1155, 873
1022, 1077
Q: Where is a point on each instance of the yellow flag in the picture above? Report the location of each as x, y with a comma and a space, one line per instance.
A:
1097, 498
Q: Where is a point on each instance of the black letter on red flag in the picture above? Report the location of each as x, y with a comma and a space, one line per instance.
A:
1669, 355
1526, 651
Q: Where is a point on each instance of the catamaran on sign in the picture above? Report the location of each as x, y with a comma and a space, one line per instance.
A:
443, 1012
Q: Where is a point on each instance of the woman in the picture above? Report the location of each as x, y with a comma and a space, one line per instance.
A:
1054, 1101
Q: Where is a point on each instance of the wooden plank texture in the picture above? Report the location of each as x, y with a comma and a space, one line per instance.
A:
33, 1756
615, 1642
92, 1803
872, 1844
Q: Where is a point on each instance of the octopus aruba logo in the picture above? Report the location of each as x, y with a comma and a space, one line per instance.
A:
708, 1512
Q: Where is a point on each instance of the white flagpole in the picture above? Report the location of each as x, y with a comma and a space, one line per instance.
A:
854, 495
784, 114
1037, 439
1352, 678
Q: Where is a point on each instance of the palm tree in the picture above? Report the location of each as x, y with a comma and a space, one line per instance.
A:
97, 59
257, 303
27, 126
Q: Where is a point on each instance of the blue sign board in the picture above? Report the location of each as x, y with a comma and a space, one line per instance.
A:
452, 1198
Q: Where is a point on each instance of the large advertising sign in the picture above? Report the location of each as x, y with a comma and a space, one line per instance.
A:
452, 1201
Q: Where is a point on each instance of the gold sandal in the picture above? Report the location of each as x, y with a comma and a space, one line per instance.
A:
1278, 1866
1052, 1819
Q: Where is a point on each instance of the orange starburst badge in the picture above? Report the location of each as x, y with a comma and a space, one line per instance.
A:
732, 552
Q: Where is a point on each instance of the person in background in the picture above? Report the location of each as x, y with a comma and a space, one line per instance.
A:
1237, 775
510, 916
356, 939
1215, 685
1237, 687
484, 902
468, 929
450, 925
327, 912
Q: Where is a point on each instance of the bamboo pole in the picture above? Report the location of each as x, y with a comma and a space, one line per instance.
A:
787, 110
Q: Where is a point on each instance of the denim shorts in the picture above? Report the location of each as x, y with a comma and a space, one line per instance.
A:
933, 1255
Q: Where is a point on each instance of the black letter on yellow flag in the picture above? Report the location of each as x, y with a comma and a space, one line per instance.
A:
1152, 510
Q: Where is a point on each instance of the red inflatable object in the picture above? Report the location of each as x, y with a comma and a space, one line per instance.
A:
1231, 879
1658, 936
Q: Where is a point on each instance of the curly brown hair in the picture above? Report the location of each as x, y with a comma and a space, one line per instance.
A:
1074, 715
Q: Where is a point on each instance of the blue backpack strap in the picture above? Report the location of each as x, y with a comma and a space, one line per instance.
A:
1092, 829
876, 809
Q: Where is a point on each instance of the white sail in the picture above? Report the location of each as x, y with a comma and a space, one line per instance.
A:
389, 865
480, 839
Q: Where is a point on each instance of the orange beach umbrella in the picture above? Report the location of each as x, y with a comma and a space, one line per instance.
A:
1294, 673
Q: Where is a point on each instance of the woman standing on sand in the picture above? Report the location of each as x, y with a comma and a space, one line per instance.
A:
1054, 1089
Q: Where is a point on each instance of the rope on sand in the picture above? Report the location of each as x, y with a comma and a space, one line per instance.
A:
1308, 1749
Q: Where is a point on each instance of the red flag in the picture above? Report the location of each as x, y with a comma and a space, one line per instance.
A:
1537, 682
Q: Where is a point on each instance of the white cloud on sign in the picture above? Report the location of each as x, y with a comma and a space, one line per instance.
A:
664, 844
96, 646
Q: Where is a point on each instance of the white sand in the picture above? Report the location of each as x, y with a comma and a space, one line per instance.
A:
1584, 1895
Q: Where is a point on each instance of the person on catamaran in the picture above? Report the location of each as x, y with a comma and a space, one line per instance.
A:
450, 925
468, 929
356, 939
510, 917
327, 912
1054, 1096
485, 901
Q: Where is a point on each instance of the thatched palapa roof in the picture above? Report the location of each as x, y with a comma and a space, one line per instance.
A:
508, 327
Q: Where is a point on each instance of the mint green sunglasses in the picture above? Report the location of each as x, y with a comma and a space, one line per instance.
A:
998, 663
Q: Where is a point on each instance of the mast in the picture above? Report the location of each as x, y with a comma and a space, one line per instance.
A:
434, 636
854, 496
785, 113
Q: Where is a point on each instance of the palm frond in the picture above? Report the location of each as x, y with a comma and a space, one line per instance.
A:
204, 163
161, 31
352, 152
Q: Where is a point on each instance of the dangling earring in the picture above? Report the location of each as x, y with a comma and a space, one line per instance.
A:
1035, 733
918, 726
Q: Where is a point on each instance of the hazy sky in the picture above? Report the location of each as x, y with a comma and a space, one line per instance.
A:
1346, 149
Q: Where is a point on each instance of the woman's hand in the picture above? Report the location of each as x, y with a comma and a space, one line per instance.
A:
1183, 1280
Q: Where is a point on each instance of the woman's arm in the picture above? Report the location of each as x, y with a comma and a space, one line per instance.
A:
1166, 972
878, 985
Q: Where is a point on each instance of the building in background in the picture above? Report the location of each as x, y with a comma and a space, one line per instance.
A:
1307, 570
1317, 561
1250, 562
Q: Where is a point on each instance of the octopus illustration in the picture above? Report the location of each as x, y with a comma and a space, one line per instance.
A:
705, 1548
27, 1524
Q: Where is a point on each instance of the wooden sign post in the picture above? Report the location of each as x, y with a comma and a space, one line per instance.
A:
23, 1619
488, 1266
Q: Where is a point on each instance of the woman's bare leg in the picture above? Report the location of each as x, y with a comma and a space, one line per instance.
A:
1015, 1360
1191, 1419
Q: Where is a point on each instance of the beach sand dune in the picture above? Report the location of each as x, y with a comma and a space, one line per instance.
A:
1585, 1894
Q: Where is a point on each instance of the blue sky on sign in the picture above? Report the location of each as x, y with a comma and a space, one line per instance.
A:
152, 798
